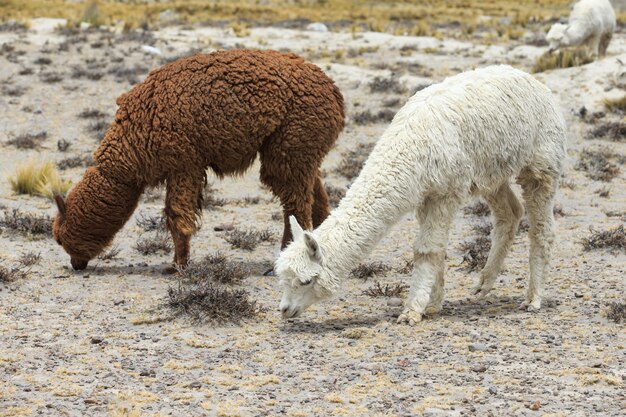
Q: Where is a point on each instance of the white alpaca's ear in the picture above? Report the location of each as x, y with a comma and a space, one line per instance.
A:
313, 247
296, 230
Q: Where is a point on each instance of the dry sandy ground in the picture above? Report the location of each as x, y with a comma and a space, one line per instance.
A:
98, 343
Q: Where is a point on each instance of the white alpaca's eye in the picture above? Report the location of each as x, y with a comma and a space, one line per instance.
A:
307, 282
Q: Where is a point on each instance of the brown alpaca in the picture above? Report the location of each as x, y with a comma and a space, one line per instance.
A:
213, 110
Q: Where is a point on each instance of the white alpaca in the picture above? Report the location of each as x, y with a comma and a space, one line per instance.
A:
591, 23
466, 136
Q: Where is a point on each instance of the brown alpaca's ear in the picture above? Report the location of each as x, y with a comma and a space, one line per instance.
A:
61, 205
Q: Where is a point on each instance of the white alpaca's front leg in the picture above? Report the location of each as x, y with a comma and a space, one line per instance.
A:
429, 254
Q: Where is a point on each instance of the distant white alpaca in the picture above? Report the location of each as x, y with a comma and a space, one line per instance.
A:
466, 136
591, 24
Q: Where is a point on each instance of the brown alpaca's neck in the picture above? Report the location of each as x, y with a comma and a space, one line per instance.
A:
98, 208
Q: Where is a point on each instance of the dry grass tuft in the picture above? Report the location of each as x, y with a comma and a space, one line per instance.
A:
366, 271
248, 239
110, 254
207, 301
566, 58
476, 251
614, 239
616, 104
92, 114
216, 268
75, 161
597, 163
386, 85
394, 290
615, 131
367, 117
26, 223
616, 312
158, 243
40, 179
353, 160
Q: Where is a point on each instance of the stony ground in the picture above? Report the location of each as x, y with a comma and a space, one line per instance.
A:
102, 342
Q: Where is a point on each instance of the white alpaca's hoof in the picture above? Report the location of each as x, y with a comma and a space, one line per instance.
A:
481, 292
409, 317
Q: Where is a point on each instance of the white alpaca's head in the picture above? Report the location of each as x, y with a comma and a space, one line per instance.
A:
556, 36
302, 272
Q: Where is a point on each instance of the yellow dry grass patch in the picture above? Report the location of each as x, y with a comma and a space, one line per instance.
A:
565, 58
16, 412
416, 18
38, 178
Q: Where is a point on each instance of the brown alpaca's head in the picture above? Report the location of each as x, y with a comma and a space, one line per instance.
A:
79, 255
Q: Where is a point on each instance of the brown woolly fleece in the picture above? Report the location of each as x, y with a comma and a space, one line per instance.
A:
215, 110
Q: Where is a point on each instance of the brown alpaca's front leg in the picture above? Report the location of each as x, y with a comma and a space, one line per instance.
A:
182, 207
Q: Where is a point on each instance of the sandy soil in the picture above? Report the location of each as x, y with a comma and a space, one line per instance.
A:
97, 342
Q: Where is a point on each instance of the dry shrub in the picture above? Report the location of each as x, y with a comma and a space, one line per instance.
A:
614, 239
98, 128
353, 160
479, 208
40, 179
565, 58
26, 223
151, 223
394, 290
386, 85
475, 252
247, 239
51, 77
407, 267
365, 271
158, 243
208, 301
367, 117
615, 131
616, 312
216, 268
335, 194
12, 274
28, 140
597, 163
92, 114
615, 104
63, 145
30, 258
74, 162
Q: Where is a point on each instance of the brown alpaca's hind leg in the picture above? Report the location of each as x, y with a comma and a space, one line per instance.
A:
321, 206
182, 208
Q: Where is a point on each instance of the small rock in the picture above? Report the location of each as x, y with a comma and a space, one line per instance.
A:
96, 340
578, 295
493, 390
479, 368
91, 401
394, 302
195, 384
477, 347
224, 227
535, 406
317, 27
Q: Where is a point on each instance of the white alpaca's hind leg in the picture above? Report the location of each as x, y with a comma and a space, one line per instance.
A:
539, 196
506, 212
429, 252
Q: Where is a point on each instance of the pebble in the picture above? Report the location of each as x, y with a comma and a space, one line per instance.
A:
477, 347
95, 340
479, 368
394, 302
493, 390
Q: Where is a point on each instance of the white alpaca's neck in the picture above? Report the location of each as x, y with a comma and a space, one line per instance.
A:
379, 197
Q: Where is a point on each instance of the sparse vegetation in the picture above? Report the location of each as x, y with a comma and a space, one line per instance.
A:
208, 301
51, 77
614, 239
335, 194
40, 179
616, 312
30, 258
389, 84
63, 145
566, 58
151, 223
157, 243
12, 274
248, 239
368, 270
367, 117
597, 163
353, 160
26, 223
92, 114
110, 254
387, 290
476, 250
216, 268
479, 208
98, 128
75, 161
28, 140
615, 131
